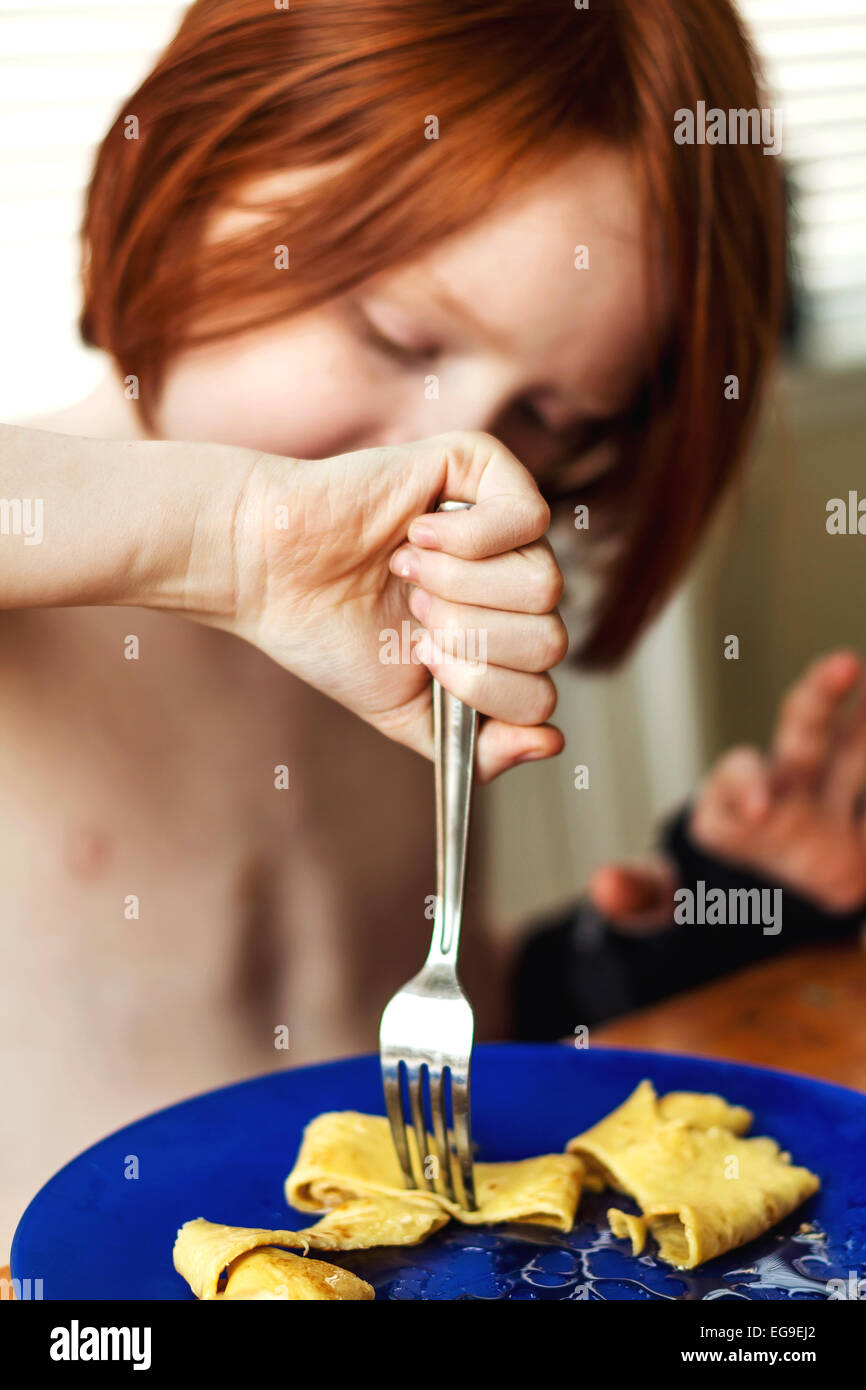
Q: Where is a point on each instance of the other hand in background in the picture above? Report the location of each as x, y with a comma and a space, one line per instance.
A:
792, 818
795, 815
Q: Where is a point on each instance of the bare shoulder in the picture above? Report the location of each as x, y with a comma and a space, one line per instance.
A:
104, 414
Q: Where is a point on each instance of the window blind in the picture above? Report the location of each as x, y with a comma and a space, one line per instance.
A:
815, 58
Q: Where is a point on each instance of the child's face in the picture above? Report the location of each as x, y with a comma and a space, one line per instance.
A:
495, 329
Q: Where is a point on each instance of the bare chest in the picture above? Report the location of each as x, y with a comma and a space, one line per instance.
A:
194, 796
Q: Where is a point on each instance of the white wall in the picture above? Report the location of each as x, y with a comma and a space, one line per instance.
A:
65, 68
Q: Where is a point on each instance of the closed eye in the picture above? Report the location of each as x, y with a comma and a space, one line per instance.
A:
405, 353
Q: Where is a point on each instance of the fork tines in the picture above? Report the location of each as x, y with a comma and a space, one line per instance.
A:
431, 1166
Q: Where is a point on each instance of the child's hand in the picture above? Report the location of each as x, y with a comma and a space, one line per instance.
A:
795, 816
326, 573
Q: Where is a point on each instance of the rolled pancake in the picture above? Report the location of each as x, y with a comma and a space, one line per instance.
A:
203, 1249
269, 1273
347, 1166
702, 1188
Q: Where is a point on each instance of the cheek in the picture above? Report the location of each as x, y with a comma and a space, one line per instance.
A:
304, 396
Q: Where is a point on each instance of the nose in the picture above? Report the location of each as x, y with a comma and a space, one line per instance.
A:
469, 399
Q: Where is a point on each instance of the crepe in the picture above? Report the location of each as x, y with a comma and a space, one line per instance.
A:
377, 1220
702, 1188
204, 1249
643, 1112
347, 1165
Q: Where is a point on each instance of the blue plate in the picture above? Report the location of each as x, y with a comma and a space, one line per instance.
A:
95, 1233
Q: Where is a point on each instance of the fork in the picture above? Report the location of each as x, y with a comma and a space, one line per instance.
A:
427, 1028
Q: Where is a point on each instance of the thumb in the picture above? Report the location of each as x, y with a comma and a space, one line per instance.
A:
637, 896
508, 512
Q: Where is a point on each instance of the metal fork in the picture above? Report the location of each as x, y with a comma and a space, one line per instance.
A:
427, 1028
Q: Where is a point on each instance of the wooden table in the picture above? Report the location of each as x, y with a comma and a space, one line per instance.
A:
805, 1012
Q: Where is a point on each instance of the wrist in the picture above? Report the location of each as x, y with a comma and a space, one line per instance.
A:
192, 501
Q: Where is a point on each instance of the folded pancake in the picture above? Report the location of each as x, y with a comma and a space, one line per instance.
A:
255, 1270
377, 1220
702, 1188
703, 1110
643, 1112
347, 1166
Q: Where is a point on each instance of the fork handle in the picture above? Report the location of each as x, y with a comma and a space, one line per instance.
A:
454, 729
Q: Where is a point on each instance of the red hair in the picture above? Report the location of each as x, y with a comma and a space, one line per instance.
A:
246, 90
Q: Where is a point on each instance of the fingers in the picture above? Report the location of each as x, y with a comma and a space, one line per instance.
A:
737, 794
806, 726
846, 773
515, 697
524, 581
524, 642
509, 510
502, 746
499, 745
485, 587
635, 897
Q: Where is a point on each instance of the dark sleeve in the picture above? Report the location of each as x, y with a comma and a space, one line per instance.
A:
802, 920
578, 968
